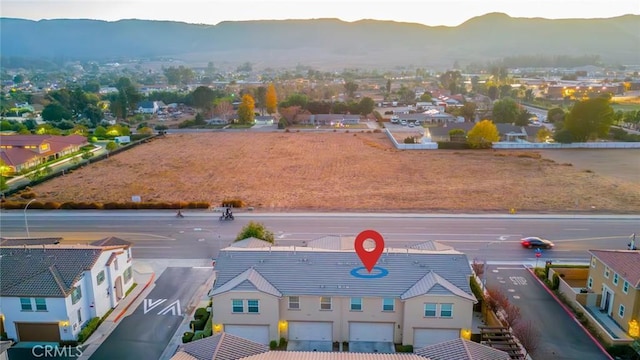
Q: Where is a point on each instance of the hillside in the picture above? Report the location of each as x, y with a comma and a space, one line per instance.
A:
324, 41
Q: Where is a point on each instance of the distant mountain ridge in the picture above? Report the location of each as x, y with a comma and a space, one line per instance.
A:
324, 41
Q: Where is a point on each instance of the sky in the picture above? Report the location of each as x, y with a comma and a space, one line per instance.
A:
428, 12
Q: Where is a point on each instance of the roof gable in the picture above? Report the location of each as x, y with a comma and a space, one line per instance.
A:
222, 346
248, 280
626, 263
251, 242
434, 284
461, 349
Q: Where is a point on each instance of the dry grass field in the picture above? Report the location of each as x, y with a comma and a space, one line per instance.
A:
340, 171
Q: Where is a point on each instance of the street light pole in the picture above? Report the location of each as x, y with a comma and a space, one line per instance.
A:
26, 226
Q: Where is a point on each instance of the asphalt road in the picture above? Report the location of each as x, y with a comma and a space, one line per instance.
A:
199, 235
560, 337
146, 332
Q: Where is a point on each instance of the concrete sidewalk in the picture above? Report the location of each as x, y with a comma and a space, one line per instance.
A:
144, 276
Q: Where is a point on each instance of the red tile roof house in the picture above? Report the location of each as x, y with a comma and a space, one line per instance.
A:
19, 152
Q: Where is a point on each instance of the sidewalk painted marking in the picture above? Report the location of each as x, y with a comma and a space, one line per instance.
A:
518, 280
510, 268
173, 308
150, 304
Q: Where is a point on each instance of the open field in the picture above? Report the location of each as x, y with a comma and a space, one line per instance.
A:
342, 171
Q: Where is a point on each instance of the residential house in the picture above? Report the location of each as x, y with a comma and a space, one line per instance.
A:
461, 349
333, 119
20, 152
220, 346
264, 120
615, 276
148, 107
29, 241
49, 292
420, 297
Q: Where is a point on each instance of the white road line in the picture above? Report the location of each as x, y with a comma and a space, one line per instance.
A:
575, 229
152, 247
510, 268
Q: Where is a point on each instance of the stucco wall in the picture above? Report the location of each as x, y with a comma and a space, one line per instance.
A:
414, 315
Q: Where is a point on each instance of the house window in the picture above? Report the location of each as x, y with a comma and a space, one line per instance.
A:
325, 303
356, 304
446, 310
128, 253
237, 306
615, 278
606, 272
294, 302
621, 311
625, 287
430, 309
252, 306
25, 304
41, 304
126, 276
80, 316
593, 262
115, 264
100, 277
76, 294
590, 282
388, 304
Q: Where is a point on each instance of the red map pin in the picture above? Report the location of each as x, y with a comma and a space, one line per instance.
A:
369, 258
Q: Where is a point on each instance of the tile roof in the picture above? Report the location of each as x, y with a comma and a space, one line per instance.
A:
624, 262
248, 280
251, 243
47, 271
222, 346
333, 242
111, 241
311, 271
461, 349
29, 241
17, 156
435, 284
432, 245
308, 355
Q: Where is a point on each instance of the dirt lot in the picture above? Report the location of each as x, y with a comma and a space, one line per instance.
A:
343, 171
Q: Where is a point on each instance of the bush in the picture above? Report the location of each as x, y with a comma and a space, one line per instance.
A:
198, 336
51, 205
91, 326
283, 343
70, 343
187, 337
453, 145
409, 140
236, 203
404, 348
273, 345
201, 313
12, 205
555, 284
28, 195
199, 324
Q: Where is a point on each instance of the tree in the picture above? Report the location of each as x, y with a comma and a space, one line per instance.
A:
483, 134
223, 108
388, 87
111, 145
555, 114
468, 111
350, 87
246, 110
492, 92
426, 97
505, 111
256, 230
589, 119
100, 132
271, 99
203, 98
261, 97
406, 95
523, 118
544, 134
55, 112
528, 335
366, 106
296, 100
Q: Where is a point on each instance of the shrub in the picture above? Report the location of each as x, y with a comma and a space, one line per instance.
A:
273, 345
404, 348
199, 324
28, 195
201, 313
12, 205
453, 145
283, 343
555, 284
377, 131
198, 336
51, 205
409, 140
236, 203
91, 326
187, 337
71, 343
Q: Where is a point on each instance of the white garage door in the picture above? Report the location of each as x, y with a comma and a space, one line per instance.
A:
424, 337
317, 331
255, 333
364, 331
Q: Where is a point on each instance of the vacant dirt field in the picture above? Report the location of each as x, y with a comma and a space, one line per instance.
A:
340, 171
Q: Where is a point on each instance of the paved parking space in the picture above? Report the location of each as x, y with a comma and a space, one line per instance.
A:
561, 337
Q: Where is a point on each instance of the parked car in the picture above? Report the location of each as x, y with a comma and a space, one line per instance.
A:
536, 242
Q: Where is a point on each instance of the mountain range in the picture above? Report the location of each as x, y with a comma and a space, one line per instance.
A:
324, 42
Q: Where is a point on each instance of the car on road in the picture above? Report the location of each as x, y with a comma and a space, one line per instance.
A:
536, 242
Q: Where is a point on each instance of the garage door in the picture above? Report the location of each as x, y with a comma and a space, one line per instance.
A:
424, 337
255, 333
363, 331
317, 331
47, 332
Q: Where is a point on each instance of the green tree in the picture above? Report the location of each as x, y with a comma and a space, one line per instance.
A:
261, 98
350, 87
523, 118
544, 134
589, 119
457, 135
203, 98
483, 134
492, 92
426, 97
296, 100
246, 110
468, 111
55, 112
366, 106
505, 111
100, 132
111, 145
256, 230
555, 114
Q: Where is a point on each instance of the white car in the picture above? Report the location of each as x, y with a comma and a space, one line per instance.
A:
403, 122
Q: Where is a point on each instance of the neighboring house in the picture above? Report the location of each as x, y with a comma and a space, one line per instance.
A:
49, 292
218, 347
19, 152
29, 241
148, 107
461, 349
615, 276
331, 119
251, 242
264, 120
310, 294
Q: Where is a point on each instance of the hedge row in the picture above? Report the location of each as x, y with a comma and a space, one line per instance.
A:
72, 205
91, 326
453, 145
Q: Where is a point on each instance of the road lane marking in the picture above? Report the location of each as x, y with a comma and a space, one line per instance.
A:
173, 308
149, 304
518, 280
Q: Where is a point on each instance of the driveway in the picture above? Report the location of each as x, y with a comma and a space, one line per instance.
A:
371, 347
561, 337
148, 330
308, 345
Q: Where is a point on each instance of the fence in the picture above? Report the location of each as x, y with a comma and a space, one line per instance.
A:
422, 146
588, 145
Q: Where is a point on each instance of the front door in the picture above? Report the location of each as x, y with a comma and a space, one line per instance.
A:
607, 301
119, 288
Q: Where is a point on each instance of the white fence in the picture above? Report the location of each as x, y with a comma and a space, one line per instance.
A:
588, 145
422, 146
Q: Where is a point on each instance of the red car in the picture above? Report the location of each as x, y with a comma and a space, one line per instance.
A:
536, 242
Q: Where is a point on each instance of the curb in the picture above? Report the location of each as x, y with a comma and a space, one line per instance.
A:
153, 275
571, 314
